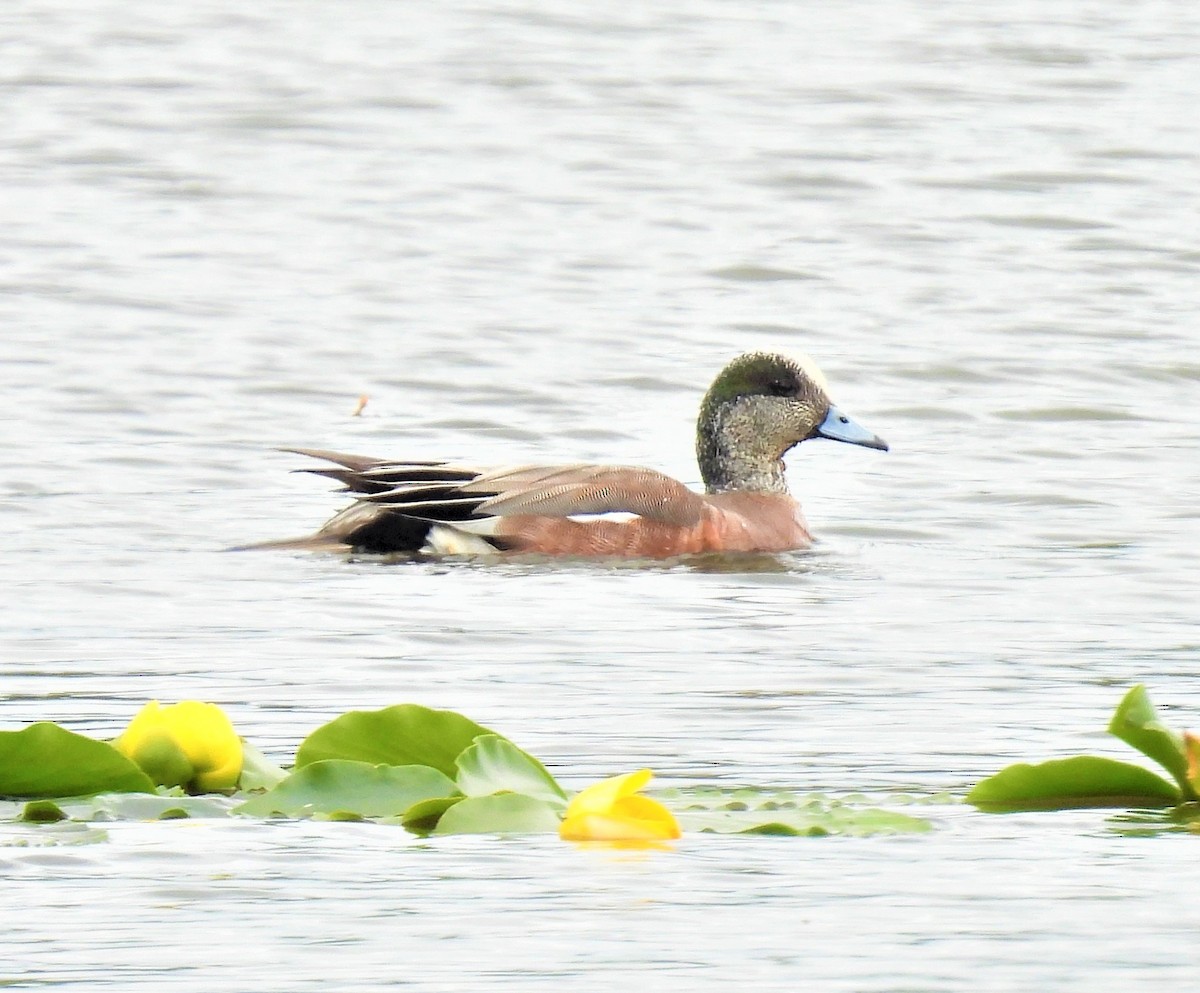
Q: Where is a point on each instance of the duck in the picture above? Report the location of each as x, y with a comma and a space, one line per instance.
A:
760, 406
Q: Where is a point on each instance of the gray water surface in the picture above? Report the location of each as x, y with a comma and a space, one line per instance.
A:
534, 232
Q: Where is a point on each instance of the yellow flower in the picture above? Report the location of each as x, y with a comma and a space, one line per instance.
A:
611, 811
1191, 745
189, 744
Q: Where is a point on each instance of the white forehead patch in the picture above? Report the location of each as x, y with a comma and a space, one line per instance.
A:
807, 366
806, 363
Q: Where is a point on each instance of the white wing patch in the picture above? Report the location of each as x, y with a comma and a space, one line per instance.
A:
615, 516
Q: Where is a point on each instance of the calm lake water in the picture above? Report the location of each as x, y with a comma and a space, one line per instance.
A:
534, 231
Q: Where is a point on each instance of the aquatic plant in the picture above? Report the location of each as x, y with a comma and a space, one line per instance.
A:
613, 810
433, 772
189, 744
1096, 781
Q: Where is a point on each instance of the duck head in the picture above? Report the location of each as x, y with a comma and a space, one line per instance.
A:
758, 408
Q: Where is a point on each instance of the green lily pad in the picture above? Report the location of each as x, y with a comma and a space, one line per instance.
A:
258, 771
43, 812
421, 818
1136, 724
341, 786
501, 813
783, 813
128, 807
1081, 781
406, 734
492, 764
781, 830
45, 760
138, 807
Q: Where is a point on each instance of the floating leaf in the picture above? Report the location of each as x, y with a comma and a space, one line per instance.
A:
421, 818
42, 812
139, 807
784, 813
132, 807
1136, 724
1082, 781
341, 786
780, 830
258, 771
501, 813
406, 734
492, 764
45, 760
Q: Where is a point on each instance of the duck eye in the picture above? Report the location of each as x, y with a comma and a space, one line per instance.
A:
781, 388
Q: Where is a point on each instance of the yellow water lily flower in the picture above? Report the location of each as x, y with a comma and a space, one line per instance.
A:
1191, 745
189, 744
610, 810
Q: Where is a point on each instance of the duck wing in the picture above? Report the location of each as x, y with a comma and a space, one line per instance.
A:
411, 506
533, 491
580, 490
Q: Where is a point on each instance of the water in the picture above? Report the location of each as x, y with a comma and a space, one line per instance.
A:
535, 231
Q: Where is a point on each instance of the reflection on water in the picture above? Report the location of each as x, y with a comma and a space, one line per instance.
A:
534, 232
531, 564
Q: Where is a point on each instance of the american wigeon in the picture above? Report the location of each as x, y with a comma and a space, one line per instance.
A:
759, 407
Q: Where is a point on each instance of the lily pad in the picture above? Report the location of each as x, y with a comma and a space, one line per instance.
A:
501, 813
258, 771
1081, 781
406, 734
780, 830
137, 807
492, 764
341, 786
128, 807
421, 818
43, 812
45, 760
1136, 724
783, 813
